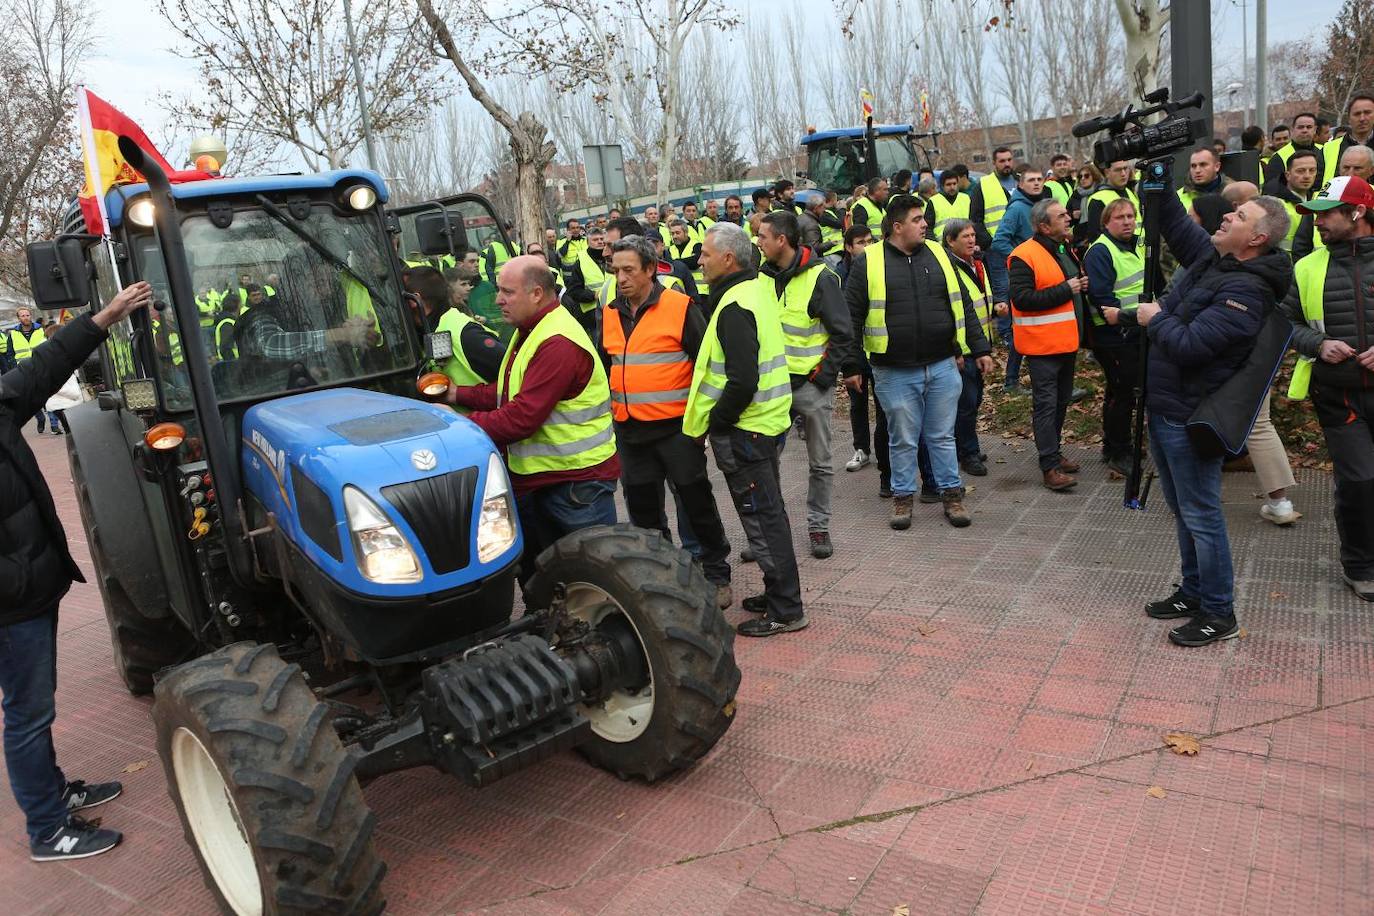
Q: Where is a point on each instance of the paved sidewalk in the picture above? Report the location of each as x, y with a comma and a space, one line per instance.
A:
970, 725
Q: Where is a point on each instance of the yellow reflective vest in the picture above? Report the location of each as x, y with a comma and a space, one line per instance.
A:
768, 410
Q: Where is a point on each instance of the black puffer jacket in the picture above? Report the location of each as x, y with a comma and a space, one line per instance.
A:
1347, 311
1211, 315
36, 569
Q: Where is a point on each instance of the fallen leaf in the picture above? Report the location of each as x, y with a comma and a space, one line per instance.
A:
729, 709
1156, 792
1277, 595
1182, 743
1243, 633
901, 909
925, 629
1030, 764
135, 766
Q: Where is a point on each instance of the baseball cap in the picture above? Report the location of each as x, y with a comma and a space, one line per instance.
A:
1347, 190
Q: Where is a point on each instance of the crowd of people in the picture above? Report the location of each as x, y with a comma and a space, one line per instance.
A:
733, 327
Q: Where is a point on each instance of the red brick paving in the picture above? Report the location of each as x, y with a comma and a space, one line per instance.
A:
969, 726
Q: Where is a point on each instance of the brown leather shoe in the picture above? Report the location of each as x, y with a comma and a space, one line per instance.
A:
1056, 479
1069, 466
955, 513
901, 513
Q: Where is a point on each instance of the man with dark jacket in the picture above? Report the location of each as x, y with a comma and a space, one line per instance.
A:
819, 345
1331, 307
914, 340
36, 571
1046, 308
1200, 334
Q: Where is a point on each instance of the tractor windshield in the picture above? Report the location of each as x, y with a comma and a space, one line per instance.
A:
834, 164
283, 303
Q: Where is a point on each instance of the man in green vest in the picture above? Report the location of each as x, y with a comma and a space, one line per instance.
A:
20, 342
819, 343
950, 203
1304, 136
477, 353
1115, 267
574, 242
696, 226
497, 253
652, 224
549, 411
917, 329
1204, 176
584, 279
740, 398
988, 198
1359, 114
1333, 331
1116, 186
224, 345
868, 211
1060, 181
1299, 186
683, 249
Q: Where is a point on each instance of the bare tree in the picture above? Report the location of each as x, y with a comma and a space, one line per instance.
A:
1347, 60
1023, 71
1087, 77
711, 150
42, 171
441, 160
529, 143
281, 69
1143, 22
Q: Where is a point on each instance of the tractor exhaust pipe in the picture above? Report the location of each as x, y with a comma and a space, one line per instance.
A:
217, 449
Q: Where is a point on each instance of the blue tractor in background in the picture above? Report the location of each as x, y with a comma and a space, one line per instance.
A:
312, 568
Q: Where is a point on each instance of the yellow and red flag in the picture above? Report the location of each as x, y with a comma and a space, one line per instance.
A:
101, 127
925, 109
866, 99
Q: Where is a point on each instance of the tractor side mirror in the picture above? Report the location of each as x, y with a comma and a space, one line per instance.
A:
58, 274
440, 234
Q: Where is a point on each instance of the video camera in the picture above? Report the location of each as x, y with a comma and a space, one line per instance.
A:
1130, 138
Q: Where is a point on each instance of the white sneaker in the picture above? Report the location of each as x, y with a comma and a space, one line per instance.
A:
1280, 512
859, 460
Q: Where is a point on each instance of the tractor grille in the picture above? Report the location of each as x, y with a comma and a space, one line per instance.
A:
439, 511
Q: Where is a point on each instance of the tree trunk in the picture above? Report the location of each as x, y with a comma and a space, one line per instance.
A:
1143, 22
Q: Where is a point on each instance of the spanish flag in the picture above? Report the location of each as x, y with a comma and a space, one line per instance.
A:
101, 127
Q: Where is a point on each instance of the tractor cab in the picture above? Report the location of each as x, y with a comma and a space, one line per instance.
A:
840, 160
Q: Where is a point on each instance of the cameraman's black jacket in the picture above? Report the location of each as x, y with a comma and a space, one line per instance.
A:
36, 569
1211, 315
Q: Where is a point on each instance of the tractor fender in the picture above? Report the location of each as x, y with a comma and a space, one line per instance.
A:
116, 505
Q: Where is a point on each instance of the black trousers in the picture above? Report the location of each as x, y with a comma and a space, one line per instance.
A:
749, 462
646, 465
858, 423
1121, 367
1347, 419
1051, 387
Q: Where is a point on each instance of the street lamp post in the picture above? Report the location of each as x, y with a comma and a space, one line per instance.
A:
358, 80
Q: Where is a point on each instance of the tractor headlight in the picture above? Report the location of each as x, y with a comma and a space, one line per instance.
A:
383, 553
496, 526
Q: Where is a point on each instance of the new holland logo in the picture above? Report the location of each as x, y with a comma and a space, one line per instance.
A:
424, 460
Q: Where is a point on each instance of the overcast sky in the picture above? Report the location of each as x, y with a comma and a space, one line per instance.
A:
135, 61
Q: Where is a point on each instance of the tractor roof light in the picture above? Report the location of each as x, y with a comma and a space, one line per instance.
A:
361, 197
140, 394
164, 437
433, 384
140, 213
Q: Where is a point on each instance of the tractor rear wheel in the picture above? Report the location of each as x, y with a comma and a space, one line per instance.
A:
143, 644
265, 790
626, 577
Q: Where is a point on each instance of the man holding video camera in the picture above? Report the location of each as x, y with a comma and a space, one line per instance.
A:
1200, 334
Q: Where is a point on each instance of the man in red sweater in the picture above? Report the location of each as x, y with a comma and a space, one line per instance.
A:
549, 411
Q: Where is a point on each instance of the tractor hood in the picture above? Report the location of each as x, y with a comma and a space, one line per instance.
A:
424, 467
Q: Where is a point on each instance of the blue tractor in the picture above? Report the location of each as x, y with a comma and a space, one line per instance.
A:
312, 568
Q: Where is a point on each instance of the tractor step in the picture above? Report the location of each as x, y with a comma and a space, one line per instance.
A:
501, 707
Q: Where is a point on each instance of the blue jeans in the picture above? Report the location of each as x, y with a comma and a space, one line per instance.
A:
28, 678
921, 404
1192, 488
549, 513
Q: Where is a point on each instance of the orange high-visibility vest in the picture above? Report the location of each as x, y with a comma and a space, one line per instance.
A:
651, 375
1051, 331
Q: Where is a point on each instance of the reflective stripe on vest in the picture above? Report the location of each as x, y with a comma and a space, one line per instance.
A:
1129, 268
804, 338
457, 367
768, 410
578, 433
1309, 274
676, 253
650, 376
994, 201
980, 297
358, 303
1050, 331
173, 343
875, 323
569, 250
945, 210
21, 346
